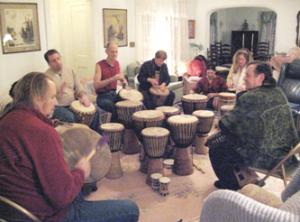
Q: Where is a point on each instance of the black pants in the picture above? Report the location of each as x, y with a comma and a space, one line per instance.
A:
107, 101
149, 103
224, 160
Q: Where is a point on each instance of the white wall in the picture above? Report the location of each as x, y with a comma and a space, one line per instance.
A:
126, 54
13, 66
286, 18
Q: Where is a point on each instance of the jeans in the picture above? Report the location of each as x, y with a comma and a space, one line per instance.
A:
149, 103
102, 211
224, 160
107, 101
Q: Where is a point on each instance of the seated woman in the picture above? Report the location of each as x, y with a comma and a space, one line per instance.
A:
235, 78
195, 70
211, 85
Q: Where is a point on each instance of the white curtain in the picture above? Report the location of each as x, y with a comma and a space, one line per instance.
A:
162, 24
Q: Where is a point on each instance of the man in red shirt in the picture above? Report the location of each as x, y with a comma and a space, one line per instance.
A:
33, 171
211, 85
108, 72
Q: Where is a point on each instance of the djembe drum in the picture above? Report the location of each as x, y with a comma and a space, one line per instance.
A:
183, 130
155, 140
226, 98
143, 119
131, 94
193, 102
115, 133
78, 141
206, 119
168, 111
125, 110
83, 114
159, 95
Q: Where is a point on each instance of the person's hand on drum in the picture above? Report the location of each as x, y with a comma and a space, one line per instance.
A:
84, 100
153, 82
85, 165
211, 95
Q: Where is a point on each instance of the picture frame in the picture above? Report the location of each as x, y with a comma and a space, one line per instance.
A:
19, 27
115, 26
298, 30
191, 29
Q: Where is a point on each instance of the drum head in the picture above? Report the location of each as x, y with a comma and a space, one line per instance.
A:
194, 97
128, 103
182, 119
78, 141
203, 113
131, 94
148, 114
112, 127
168, 109
77, 106
155, 132
227, 95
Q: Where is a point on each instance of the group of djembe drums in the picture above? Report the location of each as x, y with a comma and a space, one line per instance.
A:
151, 133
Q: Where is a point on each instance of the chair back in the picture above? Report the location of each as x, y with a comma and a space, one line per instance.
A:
289, 81
13, 212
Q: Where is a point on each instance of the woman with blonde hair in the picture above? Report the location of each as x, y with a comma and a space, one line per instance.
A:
235, 78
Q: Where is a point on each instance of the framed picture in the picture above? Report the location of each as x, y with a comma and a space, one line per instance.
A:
19, 27
115, 26
298, 30
191, 28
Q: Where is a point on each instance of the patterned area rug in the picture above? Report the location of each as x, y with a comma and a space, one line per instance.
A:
184, 202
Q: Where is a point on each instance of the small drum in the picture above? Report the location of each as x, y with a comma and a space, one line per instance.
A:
78, 141
131, 94
168, 166
225, 109
155, 140
164, 186
206, 119
226, 98
125, 110
169, 110
155, 181
115, 133
159, 95
183, 130
84, 114
193, 102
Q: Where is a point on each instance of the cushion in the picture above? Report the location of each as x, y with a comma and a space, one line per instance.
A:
261, 195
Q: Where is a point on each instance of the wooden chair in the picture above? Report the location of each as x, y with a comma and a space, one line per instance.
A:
248, 175
13, 212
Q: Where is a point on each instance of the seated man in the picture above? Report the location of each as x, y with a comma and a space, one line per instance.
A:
211, 85
68, 89
154, 73
33, 171
258, 132
108, 72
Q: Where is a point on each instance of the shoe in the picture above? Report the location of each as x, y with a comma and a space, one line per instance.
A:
218, 184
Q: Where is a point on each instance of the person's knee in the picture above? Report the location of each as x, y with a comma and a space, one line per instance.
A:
106, 104
65, 115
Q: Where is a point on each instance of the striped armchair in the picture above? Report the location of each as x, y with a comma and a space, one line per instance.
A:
226, 205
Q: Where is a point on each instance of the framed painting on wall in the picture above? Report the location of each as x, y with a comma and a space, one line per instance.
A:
19, 27
298, 30
115, 26
191, 28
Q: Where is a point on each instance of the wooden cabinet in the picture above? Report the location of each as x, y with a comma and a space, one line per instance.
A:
244, 39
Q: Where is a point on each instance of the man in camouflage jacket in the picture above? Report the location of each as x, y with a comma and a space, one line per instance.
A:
258, 132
